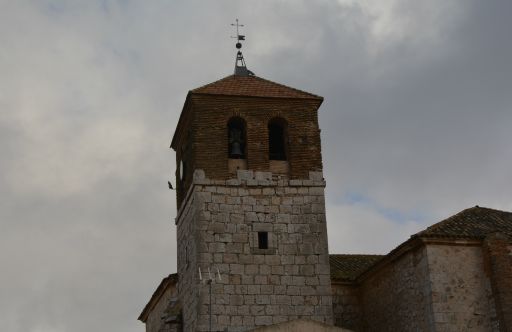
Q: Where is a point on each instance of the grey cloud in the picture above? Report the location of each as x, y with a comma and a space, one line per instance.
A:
416, 119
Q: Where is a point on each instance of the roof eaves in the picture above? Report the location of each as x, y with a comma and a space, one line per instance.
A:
306, 95
157, 294
319, 99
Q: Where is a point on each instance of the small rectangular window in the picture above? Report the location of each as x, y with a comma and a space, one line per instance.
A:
263, 240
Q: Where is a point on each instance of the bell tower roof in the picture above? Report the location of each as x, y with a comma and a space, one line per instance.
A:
246, 86
252, 86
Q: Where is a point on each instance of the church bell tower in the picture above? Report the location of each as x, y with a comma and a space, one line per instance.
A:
251, 228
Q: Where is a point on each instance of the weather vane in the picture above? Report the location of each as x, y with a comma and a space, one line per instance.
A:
238, 36
240, 67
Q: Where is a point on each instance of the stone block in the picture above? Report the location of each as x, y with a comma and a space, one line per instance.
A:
253, 289
298, 281
281, 299
263, 299
297, 300
283, 218
223, 237
259, 259
229, 289
244, 259
306, 249
279, 290
312, 281
291, 269
244, 174
235, 248
322, 269
298, 200
295, 183
307, 290
243, 310
236, 268
262, 227
272, 310
268, 191
247, 280
307, 270
236, 321
217, 247
272, 260
251, 217
233, 200
249, 300
263, 320
278, 269
251, 269
204, 197
233, 182
267, 289
287, 259
293, 290
279, 319
264, 269
260, 279
248, 321
316, 191
252, 183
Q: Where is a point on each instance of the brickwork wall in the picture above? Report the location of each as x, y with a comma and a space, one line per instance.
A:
396, 298
346, 306
289, 280
207, 118
184, 148
498, 256
461, 290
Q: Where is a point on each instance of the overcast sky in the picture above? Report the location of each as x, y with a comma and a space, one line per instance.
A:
416, 126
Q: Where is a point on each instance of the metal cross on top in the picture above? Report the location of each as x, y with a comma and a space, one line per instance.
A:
239, 37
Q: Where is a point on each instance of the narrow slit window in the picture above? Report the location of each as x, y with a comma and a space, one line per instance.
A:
263, 240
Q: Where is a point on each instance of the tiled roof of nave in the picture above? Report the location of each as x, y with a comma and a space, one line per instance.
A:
349, 267
475, 222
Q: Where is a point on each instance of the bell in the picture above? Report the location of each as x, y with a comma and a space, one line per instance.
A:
235, 149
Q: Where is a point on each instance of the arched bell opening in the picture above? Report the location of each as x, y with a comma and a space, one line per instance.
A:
278, 146
277, 139
237, 144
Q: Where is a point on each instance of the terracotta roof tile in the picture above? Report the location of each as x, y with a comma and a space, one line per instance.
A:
252, 86
349, 267
475, 222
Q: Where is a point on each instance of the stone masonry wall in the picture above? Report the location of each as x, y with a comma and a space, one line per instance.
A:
396, 297
154, 321
187, 239
289, 280
346, 306
461, 290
